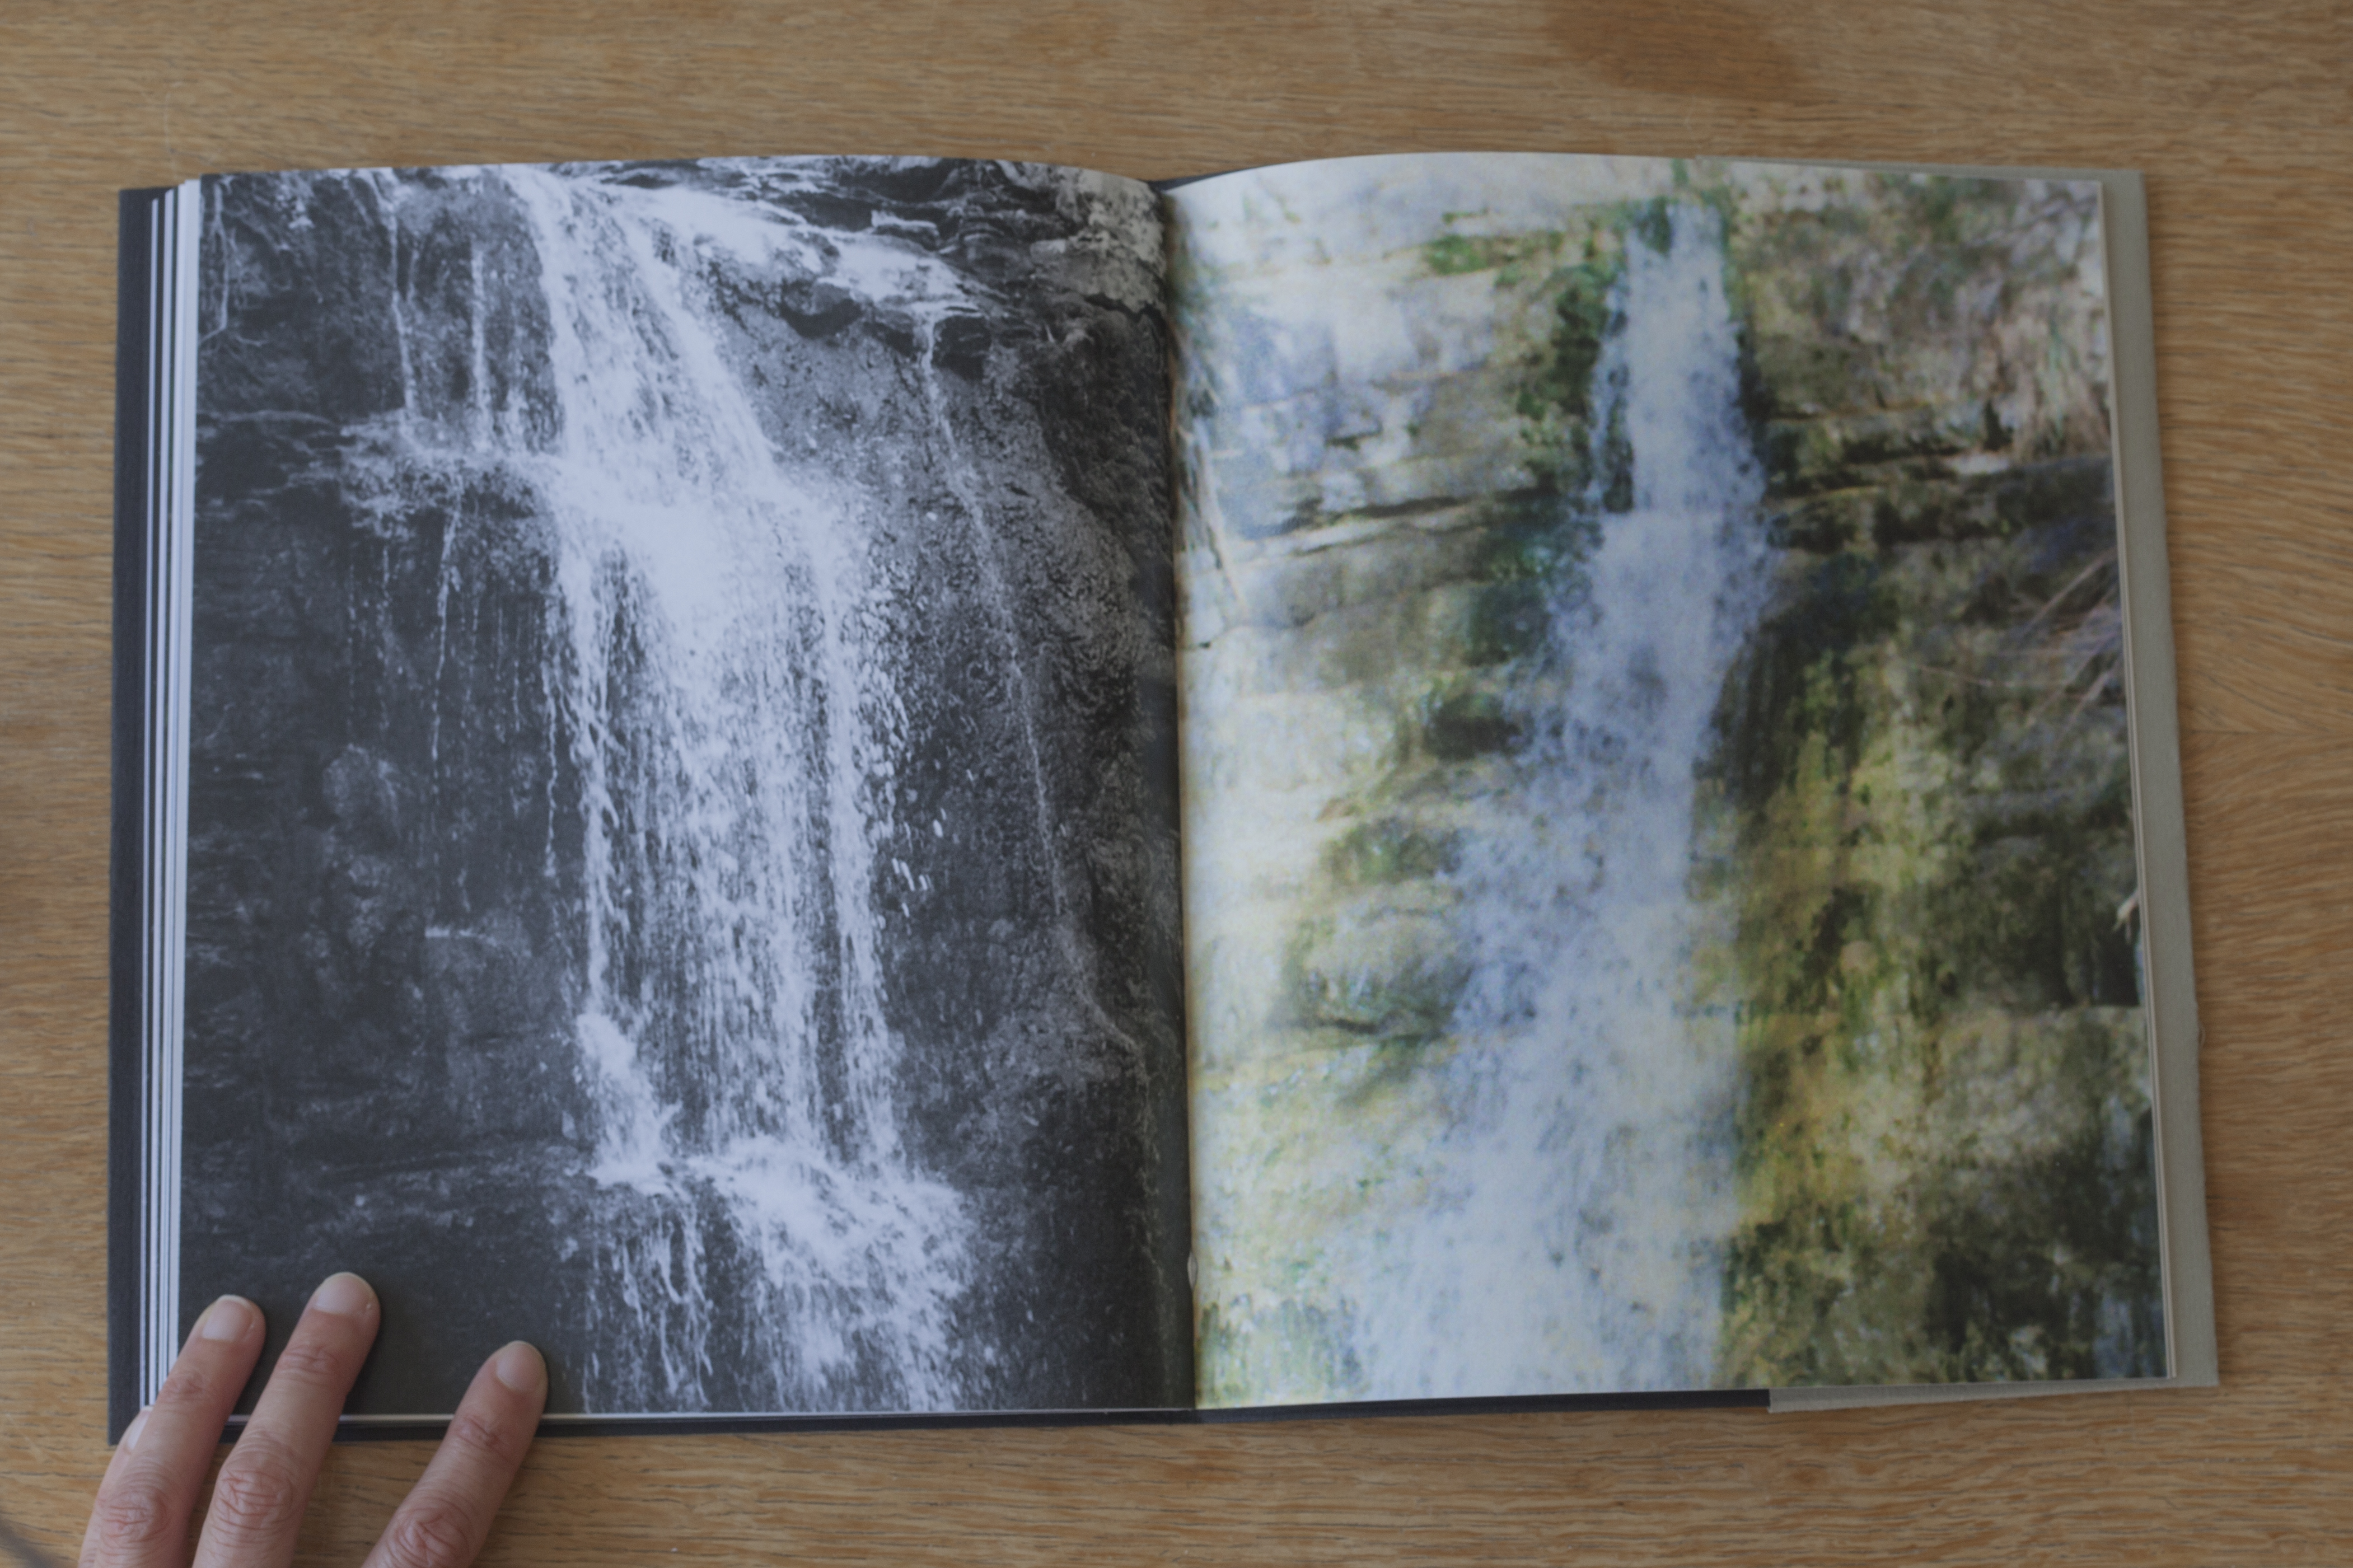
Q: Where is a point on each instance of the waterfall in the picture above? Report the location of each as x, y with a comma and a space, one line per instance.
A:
719, 695
1567, 1226
734, 1028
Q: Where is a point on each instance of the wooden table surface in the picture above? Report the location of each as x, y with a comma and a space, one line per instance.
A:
2242, 117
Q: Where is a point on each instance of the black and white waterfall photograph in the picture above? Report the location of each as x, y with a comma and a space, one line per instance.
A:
682, 822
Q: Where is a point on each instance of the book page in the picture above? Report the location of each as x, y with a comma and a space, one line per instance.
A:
683, 820
1659, 876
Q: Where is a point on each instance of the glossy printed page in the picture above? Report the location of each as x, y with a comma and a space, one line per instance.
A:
1660, 878
683, 850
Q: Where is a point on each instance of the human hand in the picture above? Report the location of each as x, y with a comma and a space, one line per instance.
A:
140, 1519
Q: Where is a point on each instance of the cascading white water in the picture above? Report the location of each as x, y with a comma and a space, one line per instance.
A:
733, 736
1565, 1229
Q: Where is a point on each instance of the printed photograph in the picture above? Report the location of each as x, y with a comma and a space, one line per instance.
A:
1659, 865
683, 817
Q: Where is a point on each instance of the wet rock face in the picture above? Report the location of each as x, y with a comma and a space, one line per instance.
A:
1924, 749
389, 814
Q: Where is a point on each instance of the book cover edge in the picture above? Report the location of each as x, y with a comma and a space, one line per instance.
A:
394, 1428
126, 1087
2175, 1036
1797, 1401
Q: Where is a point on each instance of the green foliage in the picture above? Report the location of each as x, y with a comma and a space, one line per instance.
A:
1274, 1352
1651, 221
1389, 849
1921, 798
2011, 1234
1584, 309
1451, 255
1943, 1150
1460, 720
1533, 549
1509, 619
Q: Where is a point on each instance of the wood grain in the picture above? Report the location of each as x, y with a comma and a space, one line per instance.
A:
2243, 119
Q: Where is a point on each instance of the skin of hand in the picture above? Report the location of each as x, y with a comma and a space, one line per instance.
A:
140, 1519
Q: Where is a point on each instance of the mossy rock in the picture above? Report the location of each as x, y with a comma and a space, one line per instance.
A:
1385, 961
1390, 850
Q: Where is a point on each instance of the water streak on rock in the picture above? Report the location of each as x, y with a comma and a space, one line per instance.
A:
1570, 1218
733, 739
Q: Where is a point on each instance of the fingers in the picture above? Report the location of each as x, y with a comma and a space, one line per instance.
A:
149, 1490
443, 1521
265, 1482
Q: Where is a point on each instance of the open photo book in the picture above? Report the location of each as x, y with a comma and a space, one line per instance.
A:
845, 789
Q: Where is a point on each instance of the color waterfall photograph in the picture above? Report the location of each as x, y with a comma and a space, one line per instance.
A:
1660, 875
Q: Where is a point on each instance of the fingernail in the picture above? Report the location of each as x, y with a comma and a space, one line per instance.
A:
227, 1319
130, 1433
344, 1295
519, 1367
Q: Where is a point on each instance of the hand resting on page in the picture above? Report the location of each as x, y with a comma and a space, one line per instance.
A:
144, 1504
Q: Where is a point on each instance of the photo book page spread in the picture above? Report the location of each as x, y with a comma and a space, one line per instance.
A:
872, 788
